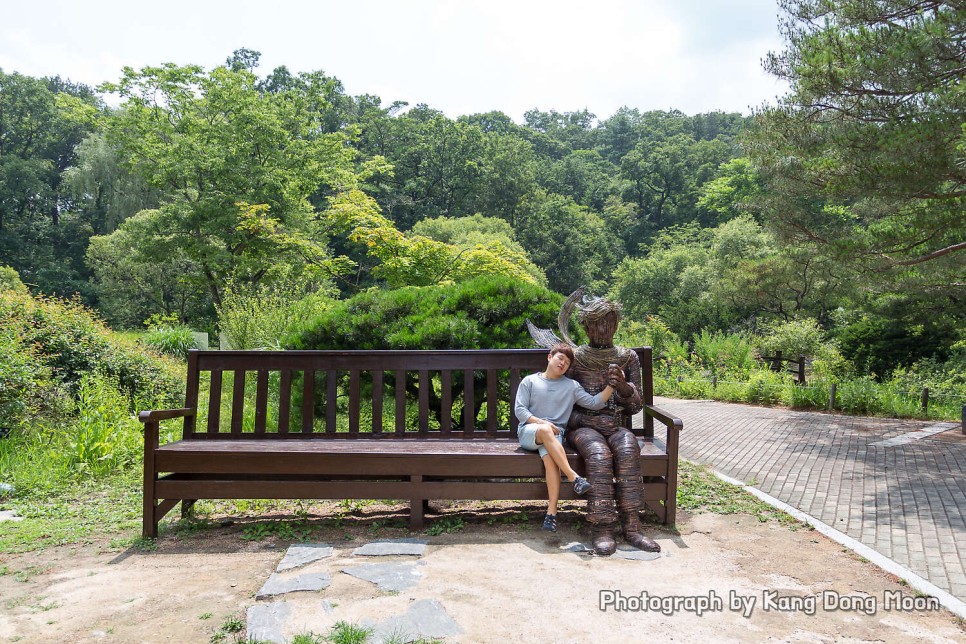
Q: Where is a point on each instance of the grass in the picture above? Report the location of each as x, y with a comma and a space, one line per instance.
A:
701, 491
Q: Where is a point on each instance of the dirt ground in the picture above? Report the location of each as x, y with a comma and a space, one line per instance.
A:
498, 578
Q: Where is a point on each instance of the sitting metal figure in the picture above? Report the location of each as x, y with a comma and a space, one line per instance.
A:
609, 450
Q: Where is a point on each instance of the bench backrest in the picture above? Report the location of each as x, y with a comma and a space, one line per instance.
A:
362, 394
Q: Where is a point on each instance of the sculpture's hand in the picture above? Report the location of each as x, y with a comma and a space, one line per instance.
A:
617, 380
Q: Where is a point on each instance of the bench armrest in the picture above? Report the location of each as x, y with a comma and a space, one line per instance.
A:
667, 419
164, 414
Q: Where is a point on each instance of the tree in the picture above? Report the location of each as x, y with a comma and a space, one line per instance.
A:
865, 156
569, 242
41, 122
235, 166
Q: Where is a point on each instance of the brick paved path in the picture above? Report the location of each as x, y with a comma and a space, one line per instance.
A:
906, 500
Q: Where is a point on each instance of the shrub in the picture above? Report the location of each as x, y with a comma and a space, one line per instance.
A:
173, 341
10, 280
485, 312
258, 317
69, 341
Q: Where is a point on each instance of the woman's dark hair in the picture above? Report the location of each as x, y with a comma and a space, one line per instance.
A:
564, 348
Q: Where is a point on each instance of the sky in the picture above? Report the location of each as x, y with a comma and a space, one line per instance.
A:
457, 56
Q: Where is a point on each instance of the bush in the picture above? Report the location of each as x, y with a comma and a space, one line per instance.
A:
66, 341
173, 341
258, 317
485, 312
10, 280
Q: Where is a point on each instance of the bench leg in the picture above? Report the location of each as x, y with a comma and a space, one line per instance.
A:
417, 506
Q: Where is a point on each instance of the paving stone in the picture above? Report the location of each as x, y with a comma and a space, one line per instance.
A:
882, 481
390, 577
266, 622
9, 515
386, 547
302, 554
279, 584
626, 552
425, 619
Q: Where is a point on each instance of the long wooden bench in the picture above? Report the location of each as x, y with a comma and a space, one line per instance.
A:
366, 425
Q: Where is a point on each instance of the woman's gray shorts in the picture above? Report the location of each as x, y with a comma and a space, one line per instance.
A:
528, 439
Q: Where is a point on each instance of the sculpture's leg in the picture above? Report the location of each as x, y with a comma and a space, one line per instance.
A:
601, 512
630, 488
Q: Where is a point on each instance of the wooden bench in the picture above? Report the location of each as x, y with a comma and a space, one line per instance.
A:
366, 425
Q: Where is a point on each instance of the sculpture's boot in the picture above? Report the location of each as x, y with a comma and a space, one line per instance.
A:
633, 534
602, 537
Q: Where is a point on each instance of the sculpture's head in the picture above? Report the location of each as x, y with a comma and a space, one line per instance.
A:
599, 317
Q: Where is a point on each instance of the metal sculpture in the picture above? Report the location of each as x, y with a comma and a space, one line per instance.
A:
610, 451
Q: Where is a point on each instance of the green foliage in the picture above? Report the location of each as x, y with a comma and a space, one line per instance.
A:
348, 633
174, 341
801, 337
236, 167
41, 122
725, 353
701, 491
864, 156
106, 435
10, 280
484, 312
65, 340
259, 316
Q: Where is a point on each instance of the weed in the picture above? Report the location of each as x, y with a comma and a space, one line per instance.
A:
232, 625
348, 633
205, 616
308, 638
447, 525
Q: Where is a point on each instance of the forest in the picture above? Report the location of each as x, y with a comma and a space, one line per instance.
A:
272, 209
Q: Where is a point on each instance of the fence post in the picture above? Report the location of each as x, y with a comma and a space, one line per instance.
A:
831, 397
777, 365
964, 420
801, 370
714, 383
925, 399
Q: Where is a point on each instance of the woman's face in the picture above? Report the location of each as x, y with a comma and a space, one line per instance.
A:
557, 365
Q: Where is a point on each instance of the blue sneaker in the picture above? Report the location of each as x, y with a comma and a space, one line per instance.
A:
550, 523
581, 485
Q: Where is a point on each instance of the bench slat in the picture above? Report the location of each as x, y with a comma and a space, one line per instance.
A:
469, 404
214, 402
514, 385
261, 401
377, 394
424, 386
354, 402
284, 401
491, 402
308, 400
238, 402
331, 394
400, 402
446, 402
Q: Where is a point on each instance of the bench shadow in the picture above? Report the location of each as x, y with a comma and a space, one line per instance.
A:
447, 523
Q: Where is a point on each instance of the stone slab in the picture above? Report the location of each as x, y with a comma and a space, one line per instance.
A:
624, 552
9, 515
425, 619
409, 546
911, 437
279, 585
267, 621
390, 577
302, 554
